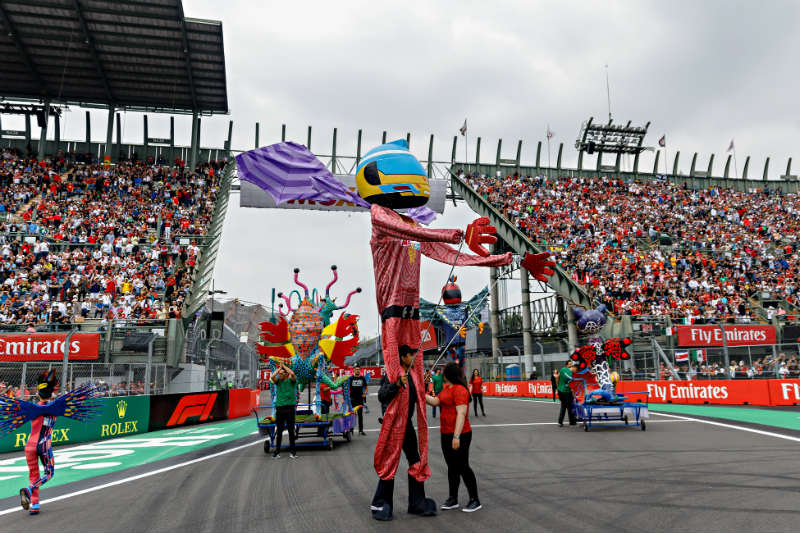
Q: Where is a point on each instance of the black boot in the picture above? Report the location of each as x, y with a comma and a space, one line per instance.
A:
418, 504
383, 501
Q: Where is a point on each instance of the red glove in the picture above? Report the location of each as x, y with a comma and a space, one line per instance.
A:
539, 265
480, 232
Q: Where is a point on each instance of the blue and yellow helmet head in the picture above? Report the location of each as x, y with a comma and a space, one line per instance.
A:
390, 175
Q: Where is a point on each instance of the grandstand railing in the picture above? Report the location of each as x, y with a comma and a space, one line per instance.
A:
204, 272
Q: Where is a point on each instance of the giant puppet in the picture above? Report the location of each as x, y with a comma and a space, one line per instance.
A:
389, 178
79, 404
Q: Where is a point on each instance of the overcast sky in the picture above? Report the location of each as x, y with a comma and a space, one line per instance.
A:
701, 72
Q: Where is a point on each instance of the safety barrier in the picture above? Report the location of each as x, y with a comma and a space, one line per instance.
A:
768, 392
129, 415
121, 416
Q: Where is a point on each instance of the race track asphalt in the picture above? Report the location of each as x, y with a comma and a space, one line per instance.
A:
678, 475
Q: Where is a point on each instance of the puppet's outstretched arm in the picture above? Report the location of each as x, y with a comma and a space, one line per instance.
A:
446, 254
392, 224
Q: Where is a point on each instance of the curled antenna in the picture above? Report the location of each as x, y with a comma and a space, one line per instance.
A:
347, 302
335, 279
287, 300
282, 312
297, 281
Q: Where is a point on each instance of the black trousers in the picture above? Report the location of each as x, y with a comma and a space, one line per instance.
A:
284, 419
566, 407
416, 489
458, 465
360, 413
477, 397
325, 407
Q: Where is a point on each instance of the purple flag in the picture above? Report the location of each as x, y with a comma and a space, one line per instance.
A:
289, 171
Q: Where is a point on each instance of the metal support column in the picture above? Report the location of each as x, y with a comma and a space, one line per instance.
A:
230, 135
572, 331
527, 336
109, 131
43, 131
494, 321
65, 385
238, 365
88, 133
725, 353
195, 141
28, 129
333, 152
115, 154
57, 133
148, 369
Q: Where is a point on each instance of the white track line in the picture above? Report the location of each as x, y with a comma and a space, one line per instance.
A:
133, 478
681, 418
731, 426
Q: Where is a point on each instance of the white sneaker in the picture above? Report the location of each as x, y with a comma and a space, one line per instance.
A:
293, 455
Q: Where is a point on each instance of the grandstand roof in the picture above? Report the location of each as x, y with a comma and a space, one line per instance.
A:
127, 53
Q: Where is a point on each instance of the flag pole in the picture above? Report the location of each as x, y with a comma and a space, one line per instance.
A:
547, 134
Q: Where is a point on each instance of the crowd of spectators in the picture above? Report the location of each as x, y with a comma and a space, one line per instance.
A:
657, 248
82, 240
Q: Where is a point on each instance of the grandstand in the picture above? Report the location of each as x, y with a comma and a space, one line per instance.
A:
114, 239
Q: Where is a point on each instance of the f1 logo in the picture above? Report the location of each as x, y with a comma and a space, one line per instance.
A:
193, 405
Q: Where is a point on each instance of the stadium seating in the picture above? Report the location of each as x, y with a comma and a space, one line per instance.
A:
660, 249
81, 241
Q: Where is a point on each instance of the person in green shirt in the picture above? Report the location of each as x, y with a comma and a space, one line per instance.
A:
285, 384
438, 383
565, 394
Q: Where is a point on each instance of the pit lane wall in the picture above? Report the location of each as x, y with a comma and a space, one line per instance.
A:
769, 392
129, 415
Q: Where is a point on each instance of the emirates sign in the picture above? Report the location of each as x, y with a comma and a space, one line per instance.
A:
734, 335
49, 347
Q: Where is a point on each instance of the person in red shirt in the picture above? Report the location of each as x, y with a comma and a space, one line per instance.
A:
476, 387
456, 435
325, 398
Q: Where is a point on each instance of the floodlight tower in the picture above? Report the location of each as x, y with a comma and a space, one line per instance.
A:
610, 138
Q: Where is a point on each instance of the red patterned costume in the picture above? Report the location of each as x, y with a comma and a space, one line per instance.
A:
397, 242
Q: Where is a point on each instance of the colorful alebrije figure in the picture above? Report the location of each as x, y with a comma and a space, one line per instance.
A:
79, 404
455, 317
593, 377
309, 341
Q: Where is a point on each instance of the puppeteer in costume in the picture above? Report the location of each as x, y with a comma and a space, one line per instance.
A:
78, 404
455, 317
388, 178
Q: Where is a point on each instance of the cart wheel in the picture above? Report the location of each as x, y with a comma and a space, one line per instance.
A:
625, 418
330, 444
644, 425
347, 436
267, 446
585, 426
